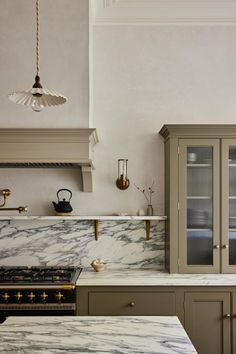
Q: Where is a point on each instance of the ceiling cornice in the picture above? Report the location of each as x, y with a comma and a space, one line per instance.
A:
115, 12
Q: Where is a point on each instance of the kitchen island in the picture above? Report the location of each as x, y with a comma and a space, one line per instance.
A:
72, 334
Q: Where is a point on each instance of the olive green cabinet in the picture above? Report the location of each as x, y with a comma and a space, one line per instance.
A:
200, 197
208, 321
136, 301
233, 319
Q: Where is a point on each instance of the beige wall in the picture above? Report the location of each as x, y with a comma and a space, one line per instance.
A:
143, 77
63, 60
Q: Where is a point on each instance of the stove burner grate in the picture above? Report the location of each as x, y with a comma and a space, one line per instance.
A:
38, 274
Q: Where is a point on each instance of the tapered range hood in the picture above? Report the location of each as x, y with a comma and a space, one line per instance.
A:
49, 148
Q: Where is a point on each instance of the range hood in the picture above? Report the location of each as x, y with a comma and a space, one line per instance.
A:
50, 148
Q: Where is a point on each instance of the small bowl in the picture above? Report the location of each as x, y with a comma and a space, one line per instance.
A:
98, 267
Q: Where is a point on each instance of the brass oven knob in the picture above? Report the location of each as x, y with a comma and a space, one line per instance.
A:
5, 296
31, 296
44, 296
132, 304
18, 295
59, 296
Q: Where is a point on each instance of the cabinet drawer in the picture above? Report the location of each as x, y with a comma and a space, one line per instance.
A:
132, 303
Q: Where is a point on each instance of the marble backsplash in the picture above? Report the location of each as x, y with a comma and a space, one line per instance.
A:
121, 244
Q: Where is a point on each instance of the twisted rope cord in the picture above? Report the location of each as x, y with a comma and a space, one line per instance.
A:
37, 37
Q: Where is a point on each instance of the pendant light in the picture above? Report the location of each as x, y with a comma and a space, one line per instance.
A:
37, 97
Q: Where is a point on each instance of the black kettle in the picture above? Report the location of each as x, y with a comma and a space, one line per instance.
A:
63, 206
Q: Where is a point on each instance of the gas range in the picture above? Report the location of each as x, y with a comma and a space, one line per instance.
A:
38, 275
38, 290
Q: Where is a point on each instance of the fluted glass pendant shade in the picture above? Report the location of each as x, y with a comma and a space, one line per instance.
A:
37, 97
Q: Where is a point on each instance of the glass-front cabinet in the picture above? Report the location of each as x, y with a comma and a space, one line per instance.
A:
229, 205
199, 204
200, 177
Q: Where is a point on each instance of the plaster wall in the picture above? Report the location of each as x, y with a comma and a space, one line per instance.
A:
142, 78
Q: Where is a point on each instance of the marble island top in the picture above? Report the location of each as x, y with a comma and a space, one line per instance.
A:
151, 277
74, 334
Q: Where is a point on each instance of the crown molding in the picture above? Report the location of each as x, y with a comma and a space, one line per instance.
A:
115, 12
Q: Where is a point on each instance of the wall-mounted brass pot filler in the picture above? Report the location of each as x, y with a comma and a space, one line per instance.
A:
5, 193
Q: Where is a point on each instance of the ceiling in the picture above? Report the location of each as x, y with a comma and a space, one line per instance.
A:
113, 12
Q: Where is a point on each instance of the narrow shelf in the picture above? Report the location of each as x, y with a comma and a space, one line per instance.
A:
96, 218
198, 197
83, 217
232, 197
199, 165
200, 229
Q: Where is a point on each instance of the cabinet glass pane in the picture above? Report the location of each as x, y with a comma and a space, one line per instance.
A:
199, 205
232, 205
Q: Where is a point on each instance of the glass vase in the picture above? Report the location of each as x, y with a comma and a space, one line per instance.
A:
149, 210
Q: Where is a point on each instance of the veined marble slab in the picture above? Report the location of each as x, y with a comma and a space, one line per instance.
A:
152, 277
60, 241
74, 334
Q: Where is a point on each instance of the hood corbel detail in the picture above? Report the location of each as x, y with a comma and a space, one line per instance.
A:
59, 148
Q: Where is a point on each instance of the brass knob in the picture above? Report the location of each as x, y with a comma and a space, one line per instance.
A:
18, 295
59, 296
132, 304
217, 247
225, 246
31, 296
227, 315
5, 296
44, 296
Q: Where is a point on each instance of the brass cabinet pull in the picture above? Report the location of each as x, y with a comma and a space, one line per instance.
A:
225, 246
227, 315
217, 247
132, 304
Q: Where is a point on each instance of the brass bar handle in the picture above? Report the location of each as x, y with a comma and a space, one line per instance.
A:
217, 247
132, 304
225, 246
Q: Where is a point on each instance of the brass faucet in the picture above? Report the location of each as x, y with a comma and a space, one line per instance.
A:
6, 193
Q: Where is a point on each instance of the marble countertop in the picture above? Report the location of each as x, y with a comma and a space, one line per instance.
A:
151, 277
91, 334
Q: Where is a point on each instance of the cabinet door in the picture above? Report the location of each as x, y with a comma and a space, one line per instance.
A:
228, 206
207, 322
132, 303
234, 324
199, 193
